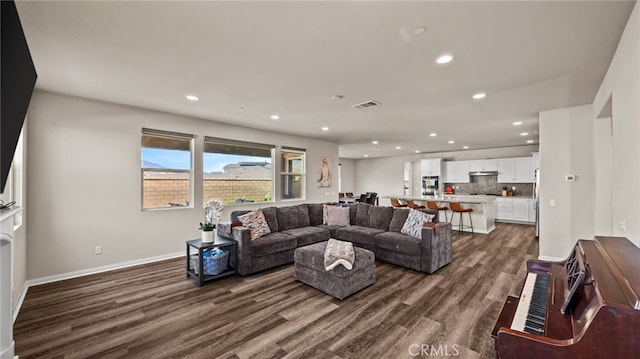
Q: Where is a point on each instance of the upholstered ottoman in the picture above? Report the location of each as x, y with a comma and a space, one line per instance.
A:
339, 282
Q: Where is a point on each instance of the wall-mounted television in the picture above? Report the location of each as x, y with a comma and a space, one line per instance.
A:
17, 80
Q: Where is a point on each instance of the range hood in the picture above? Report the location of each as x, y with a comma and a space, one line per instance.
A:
483, 173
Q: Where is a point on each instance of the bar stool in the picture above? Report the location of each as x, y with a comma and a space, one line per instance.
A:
413, 205
434, 205
396, 203
457, 208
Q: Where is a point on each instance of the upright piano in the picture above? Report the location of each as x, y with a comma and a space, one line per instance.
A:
587, 306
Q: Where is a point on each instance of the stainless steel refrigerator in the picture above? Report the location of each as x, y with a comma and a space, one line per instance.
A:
536, 197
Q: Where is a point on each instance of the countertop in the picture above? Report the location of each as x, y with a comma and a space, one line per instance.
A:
463, 198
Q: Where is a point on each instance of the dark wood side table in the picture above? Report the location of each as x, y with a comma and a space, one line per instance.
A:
225, 244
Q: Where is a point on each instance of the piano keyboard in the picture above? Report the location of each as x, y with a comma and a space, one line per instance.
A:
532, 306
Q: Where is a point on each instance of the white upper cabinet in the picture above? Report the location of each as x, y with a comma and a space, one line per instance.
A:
483, 165
431, 167
515, 170
449, 172
456, 171
523, 169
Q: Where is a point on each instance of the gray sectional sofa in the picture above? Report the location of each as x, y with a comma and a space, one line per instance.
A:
372, 227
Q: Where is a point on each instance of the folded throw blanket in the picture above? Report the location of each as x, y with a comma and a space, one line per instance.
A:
339, 252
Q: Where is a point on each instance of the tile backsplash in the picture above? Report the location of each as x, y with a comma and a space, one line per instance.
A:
490, 185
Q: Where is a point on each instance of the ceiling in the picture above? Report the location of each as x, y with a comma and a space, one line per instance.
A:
290, 58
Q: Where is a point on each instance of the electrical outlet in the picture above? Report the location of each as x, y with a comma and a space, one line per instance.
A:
552, 203
98, 250
623, 225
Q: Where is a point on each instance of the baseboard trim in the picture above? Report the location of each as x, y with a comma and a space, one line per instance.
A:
81, 273
551, 259
18, 304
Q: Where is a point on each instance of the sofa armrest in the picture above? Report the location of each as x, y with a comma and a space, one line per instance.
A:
436, 247
242, 235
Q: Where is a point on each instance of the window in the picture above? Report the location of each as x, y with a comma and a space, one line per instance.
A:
237, 172
166, 169
293, 173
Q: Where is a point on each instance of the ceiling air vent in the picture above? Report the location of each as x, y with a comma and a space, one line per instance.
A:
366, 104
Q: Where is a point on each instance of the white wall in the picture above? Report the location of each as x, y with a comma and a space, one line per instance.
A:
565, 149
85, 190
622, 83
385, 175
602, 159
348, 169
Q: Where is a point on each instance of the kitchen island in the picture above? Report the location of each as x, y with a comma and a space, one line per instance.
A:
483, 215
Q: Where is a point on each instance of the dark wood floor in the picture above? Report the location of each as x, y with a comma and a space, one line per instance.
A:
153, 311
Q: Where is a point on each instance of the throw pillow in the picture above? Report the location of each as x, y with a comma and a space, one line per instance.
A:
324, 212
337, 216
256, 222
415, 222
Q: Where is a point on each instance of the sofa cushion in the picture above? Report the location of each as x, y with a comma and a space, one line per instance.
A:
332, 229
293, 217
380, 217
358, 234
353, 209
325, 209
415, 222
256, 222
398, 242
315, 213
308, 235
398, 219
362, 214
271, 218
273, 243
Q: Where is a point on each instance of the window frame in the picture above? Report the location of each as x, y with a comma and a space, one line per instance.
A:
190, 171
287, 173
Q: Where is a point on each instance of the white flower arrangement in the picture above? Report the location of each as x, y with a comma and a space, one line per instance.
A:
212, 211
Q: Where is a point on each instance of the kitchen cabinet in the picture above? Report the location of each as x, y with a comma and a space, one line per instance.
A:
449, 172
535, 158
483, 165
520, 209
456, 171
515, 170
516, 209
431, 167
504, 208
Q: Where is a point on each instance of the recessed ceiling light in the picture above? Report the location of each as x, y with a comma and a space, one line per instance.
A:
433, 134
325, 128
192, 97
417, 151
451, 142
479, 96
524, 134
240, 108
398, 148
275, 117
529, 141
517, 123
374, 142
444, 59
465, 147
366, 155
337, 97
418, 31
